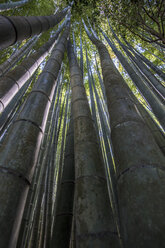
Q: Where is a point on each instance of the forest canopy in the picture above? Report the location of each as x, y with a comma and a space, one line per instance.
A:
144, 19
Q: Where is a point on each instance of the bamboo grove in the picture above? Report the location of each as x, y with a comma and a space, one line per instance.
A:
82, 139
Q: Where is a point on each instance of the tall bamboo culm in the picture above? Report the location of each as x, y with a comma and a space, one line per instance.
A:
64, 210
95, 225
16, 28
139, 162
